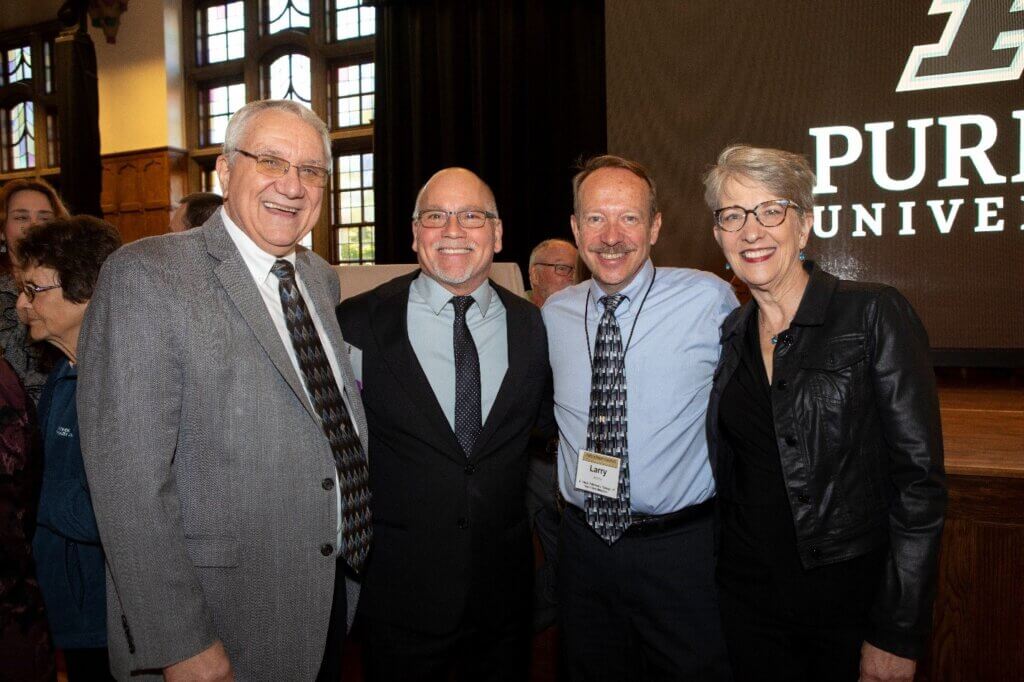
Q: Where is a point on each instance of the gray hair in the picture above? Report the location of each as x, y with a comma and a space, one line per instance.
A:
238, 126
545, 244
783, 173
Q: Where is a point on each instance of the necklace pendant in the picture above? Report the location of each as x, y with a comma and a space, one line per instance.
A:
775, 339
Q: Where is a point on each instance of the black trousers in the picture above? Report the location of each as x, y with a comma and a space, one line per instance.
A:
330, 667
797, 625
644, 609
499, 652
87, 665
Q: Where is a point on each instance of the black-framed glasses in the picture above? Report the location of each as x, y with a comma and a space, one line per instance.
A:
31, 290
276, 167
771, 213
470, 219
560, 269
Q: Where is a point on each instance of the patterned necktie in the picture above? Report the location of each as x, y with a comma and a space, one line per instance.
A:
353, 475
606, 428
467, 378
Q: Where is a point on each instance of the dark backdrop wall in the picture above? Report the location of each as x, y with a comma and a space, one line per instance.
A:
931, 196
511, 89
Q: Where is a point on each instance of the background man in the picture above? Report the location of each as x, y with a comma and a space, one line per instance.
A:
194, 210
454, 373
552, 268
636, 573
216, 414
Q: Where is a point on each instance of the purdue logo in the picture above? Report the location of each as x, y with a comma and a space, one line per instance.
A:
983, 42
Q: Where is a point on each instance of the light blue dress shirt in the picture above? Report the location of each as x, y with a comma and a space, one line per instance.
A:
431, 319
669, 367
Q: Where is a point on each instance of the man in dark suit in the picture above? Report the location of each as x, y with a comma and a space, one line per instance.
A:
454, 373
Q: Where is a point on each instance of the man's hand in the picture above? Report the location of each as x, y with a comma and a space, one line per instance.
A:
209, 665
881, 666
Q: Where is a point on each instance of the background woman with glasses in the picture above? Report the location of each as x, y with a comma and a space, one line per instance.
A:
824, 435
22, 203
60, 263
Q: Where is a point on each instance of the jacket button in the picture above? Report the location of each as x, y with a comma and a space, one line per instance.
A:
815, 552
327, 483
790, 441
782, 384
463, 523
803, 499
469, 469
327, 549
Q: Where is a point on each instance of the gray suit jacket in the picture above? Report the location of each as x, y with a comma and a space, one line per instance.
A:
206, 461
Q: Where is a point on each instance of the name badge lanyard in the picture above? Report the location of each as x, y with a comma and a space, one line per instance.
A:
586, 330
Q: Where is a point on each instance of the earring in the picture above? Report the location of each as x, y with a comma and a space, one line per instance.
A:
802, 256
728, 267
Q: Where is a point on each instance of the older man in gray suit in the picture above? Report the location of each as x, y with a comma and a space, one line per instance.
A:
222, 430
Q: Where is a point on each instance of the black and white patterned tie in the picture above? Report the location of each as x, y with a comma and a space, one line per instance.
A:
606, 428
349, 458
467, 378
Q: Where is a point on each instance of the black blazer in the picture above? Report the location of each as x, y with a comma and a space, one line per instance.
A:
451, 536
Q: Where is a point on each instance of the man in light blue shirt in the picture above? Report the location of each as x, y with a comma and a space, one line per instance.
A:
641, 596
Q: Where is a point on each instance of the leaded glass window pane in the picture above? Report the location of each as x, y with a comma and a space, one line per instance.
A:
352, 20
19, 137
285, 14
211, 182
289, 78
217, 105
223, 34
354, 208
48, 65
355, 95
19, 64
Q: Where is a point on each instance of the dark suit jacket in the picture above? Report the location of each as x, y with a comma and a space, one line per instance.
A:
451, 537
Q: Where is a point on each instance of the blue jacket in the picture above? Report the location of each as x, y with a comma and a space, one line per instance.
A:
69, 558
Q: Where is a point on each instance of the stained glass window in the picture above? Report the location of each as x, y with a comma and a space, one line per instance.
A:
353, 209
355, 95
289, 78
221, 32
353, 20
216, 106
19, 137
48, 64
52, 139
19, 64
210, 182
285, 14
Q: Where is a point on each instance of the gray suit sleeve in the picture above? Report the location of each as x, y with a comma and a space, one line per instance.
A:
129, 402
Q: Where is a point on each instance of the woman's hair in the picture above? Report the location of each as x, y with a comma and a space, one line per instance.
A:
75, 248
8, 191
783, 173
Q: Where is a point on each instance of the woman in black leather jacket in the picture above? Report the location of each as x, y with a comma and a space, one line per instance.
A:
824, 436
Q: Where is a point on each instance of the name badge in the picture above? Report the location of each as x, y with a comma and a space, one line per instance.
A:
598, 474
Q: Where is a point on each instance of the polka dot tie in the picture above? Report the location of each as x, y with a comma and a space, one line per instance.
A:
606, 427
349, 458
467, 378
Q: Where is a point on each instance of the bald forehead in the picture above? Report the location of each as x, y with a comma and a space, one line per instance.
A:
455, 184
557, 250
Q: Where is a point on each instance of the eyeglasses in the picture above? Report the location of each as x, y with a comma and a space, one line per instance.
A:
770, 213
276, 167
470, 219
563, 270
31, 290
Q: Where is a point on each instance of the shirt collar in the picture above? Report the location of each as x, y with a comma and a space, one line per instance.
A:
437, 297
256, 259
632, 291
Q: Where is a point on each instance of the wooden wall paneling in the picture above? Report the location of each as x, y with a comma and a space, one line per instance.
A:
141, 188
155, 185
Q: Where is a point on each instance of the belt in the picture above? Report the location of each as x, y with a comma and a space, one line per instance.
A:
643, 525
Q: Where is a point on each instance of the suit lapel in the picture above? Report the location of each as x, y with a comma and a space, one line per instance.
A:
237, 281
517, 329
391, 330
